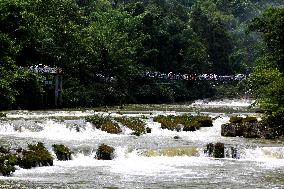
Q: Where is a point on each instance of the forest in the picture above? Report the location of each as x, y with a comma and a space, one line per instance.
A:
105, 47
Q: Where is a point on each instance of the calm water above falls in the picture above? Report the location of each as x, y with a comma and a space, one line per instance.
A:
154, 160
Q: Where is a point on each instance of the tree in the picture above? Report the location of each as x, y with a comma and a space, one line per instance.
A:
268, 79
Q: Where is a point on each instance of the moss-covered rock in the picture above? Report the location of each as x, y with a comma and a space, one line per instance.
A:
36, 155
105, 152
62, 152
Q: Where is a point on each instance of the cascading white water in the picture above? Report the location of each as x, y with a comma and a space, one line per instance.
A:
155, 160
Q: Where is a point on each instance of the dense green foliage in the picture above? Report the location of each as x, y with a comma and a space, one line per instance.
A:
104, 47
267, 80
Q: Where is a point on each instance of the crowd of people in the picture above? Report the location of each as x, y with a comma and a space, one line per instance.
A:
194, 77
40, 68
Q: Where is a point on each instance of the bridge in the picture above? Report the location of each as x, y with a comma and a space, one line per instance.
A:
193, 77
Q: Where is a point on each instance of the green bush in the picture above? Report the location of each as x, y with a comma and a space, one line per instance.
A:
134, 124
204, 121
7, 163
62, 152
192, 126
188, 122
236, 119
36, 155
105, 152
96, 120
3, 150
276, 122
250, 119
6, 169
104, 123
111, 127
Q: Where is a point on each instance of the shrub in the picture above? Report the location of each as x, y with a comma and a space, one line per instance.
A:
6, 169
192, 126
104, 123
3, 150
36, 155
250, 119
62, 152
204, 121
111, 127
236, 119
96, 120
7, 163
105, 152
134, 124
188, 122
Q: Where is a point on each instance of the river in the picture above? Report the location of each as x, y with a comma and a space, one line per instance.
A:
153, 160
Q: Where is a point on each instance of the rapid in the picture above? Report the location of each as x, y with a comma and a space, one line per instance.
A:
160, 159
